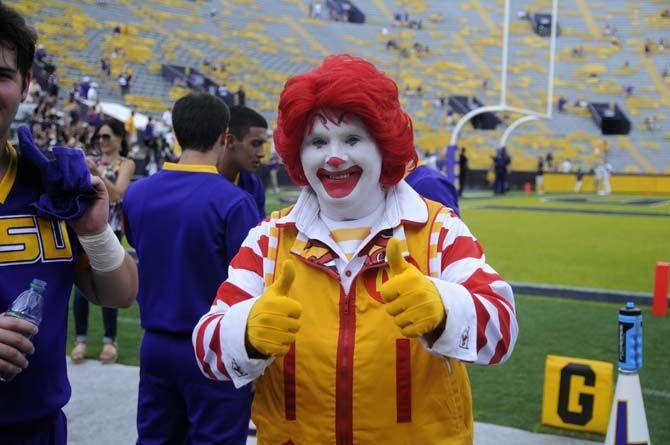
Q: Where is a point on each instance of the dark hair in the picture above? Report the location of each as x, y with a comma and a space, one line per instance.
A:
118, 128
242, 118
199, 119
18, 36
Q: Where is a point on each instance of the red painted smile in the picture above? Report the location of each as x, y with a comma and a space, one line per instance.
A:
339, 184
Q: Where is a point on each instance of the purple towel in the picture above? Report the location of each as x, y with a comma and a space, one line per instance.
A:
65, 178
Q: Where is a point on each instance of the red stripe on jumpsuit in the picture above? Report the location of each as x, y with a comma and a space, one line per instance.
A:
289, 383
344, 381
200, 352
403, 380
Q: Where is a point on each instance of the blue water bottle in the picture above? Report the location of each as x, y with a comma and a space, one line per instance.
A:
630, 338
27, 306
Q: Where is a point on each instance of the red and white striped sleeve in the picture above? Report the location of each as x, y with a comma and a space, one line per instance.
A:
481, 319
218, 338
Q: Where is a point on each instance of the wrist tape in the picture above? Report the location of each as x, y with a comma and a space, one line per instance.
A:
105, 252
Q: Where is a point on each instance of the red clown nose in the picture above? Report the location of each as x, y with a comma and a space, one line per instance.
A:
335, 162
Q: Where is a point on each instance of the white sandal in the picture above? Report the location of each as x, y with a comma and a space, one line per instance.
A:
109, 354
78, 353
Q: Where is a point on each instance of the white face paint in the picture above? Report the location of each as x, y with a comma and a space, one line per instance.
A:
343, 166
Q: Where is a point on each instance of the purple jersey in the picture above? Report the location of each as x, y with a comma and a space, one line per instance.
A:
186, 224
35, 247
253, 185
433, 185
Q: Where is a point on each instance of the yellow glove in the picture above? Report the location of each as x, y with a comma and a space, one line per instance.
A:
274, 319
412, 300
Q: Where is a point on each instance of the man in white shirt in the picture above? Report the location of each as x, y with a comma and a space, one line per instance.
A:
167, 118
92, 94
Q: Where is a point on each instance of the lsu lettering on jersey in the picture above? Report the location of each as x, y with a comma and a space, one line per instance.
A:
35, 247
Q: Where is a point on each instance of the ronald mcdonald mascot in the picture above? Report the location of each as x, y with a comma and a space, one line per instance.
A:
354, 310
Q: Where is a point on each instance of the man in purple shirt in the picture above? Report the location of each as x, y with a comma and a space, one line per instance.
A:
37, 245
434, 185
247, 136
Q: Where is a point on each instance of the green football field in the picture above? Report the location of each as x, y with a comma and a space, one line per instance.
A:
555, 239
548, 240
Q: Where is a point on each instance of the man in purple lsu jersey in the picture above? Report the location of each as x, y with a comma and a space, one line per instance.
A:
33, 246
186, 223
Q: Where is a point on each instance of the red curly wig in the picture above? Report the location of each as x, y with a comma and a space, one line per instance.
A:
353, 86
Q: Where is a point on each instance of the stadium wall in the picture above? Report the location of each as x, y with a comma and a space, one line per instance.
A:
621, 183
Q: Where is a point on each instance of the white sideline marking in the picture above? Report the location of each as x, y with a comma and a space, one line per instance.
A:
657, 393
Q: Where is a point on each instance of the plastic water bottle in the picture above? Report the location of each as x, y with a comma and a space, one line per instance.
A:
630, 338
27, 306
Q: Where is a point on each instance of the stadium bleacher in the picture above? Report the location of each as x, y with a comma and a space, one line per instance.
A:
261, 43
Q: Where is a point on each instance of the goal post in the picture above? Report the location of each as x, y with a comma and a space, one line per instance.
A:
527, 114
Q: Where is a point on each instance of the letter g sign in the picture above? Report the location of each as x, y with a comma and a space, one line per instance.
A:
585, 400
577, 394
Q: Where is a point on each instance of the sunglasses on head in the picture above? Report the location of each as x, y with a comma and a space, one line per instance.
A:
104, 137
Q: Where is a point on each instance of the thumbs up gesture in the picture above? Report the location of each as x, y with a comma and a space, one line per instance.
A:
274, 319
412, 299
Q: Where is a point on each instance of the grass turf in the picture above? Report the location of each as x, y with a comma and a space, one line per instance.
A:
511, 394
571, 201
598, 251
